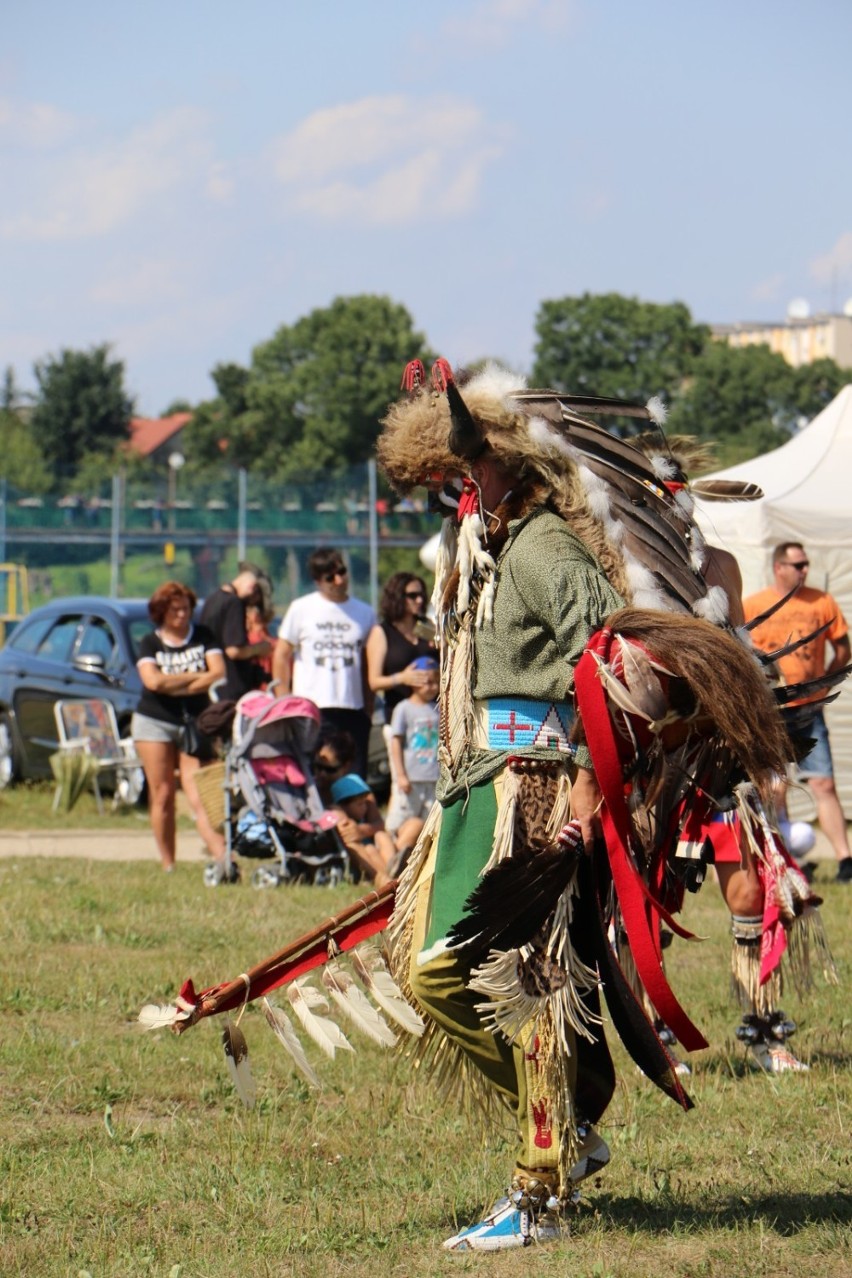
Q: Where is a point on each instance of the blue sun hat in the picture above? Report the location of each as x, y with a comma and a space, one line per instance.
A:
425, 663
348, 787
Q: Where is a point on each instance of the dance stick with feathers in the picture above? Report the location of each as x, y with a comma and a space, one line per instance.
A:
334, 936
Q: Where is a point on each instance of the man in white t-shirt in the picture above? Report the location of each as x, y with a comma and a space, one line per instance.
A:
320, 651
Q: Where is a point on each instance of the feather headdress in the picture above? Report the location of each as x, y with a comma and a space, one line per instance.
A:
632, 518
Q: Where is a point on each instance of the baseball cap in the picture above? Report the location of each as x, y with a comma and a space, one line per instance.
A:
348, 787
425, 663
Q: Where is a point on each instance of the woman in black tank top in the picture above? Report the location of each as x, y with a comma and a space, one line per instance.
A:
394, 644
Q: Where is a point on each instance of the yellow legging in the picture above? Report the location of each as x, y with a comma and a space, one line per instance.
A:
440, 987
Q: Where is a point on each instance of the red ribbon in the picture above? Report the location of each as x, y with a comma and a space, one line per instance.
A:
640, 910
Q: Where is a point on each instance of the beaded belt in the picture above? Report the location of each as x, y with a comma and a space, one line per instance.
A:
518, 723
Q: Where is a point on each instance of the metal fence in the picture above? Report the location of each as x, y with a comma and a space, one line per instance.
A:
125, 538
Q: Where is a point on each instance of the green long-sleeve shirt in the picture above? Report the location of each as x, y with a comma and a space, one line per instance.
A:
551, 594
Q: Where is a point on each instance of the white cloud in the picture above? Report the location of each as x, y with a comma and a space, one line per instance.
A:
387, 160
138, 284
768, 290
835, 265
92, 192
34, 125
219, 186
492, 24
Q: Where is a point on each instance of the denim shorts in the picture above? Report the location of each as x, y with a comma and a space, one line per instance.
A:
818, 763
144, 728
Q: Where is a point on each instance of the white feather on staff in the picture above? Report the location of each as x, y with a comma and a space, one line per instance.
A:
379, 983
354, 1004
154, 1016
304, 998
236, 1057
289, 1040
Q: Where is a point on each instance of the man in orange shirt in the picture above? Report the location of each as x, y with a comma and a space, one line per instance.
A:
802, 614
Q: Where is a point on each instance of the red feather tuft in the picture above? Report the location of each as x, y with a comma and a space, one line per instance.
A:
413, 376
442, 374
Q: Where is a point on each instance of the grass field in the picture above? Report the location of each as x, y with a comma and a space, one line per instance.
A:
128, 1154
27, 805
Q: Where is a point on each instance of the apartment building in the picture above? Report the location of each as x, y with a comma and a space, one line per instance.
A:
801, 338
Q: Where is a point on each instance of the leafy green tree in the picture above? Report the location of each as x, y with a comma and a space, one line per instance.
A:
21, 460
10, 396
743, 399
606, 344
176, 406
312, 399
81, 407
815, 385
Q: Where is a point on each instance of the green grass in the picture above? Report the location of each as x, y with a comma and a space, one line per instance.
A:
128, 1154
28, 805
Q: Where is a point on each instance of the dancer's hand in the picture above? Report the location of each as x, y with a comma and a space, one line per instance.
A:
585, 806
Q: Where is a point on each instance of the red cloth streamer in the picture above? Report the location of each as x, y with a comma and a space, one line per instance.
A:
634, 897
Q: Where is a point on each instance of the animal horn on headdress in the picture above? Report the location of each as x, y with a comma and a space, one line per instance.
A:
465, 438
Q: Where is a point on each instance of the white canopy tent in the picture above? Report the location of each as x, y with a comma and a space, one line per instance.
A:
807, 487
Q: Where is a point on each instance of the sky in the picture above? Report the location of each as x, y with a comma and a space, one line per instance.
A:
180, 180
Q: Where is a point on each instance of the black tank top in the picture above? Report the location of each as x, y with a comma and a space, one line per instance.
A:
400, 654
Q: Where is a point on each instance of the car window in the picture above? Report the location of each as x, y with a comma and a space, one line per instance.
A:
28, 634
99, 640
137, 629
56, 644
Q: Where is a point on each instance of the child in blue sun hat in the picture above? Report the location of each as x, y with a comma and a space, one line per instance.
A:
371, 850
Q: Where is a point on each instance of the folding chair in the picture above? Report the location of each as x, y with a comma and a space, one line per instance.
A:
90, 727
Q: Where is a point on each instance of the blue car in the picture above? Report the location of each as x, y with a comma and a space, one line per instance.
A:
76, 647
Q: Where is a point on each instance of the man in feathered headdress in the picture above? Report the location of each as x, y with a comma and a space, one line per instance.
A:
553, 526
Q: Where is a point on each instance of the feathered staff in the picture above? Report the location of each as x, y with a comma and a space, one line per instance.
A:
334, 936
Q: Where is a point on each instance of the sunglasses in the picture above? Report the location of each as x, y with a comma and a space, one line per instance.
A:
338, 572
327, 767
803, 563
415, 594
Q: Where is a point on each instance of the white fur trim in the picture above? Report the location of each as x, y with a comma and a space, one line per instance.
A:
684, 505
495, 381
644, 591
657, 410
663, 467
713, 607
545, 436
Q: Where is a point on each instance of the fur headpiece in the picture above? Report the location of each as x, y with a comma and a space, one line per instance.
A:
606, 489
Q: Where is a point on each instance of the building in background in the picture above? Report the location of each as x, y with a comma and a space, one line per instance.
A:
802, 338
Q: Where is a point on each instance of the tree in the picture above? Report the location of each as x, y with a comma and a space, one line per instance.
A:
742, 398
606, 344
81, 407
9, 394
815, 385
21, 460
312, 399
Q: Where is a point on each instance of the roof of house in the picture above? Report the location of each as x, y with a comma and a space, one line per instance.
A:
147, 434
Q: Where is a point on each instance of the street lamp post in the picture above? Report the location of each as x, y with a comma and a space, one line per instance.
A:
176, 460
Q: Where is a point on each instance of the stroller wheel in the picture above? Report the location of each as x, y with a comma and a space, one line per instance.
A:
263, 877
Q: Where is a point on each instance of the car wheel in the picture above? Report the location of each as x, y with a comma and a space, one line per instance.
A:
9, 762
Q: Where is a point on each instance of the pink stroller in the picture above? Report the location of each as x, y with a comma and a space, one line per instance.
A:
281, 816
